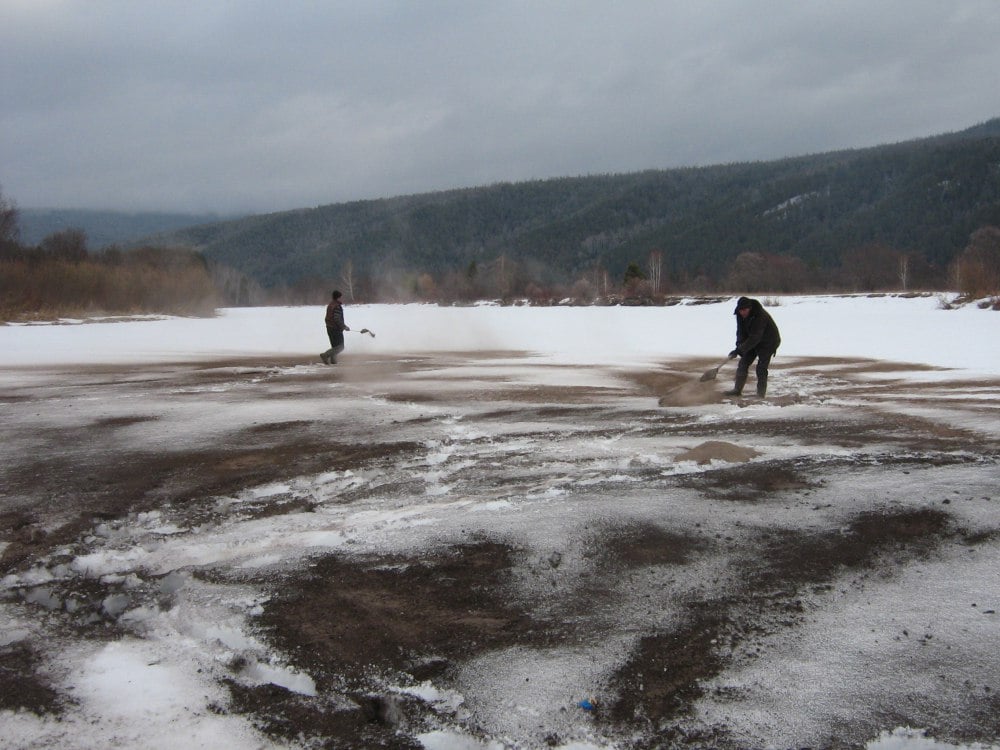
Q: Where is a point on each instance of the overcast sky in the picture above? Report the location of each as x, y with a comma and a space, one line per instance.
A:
261, 105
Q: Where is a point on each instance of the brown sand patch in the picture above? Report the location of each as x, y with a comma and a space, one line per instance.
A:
548, 394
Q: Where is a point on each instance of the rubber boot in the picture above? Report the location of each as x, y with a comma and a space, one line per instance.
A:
737, 386
761, 381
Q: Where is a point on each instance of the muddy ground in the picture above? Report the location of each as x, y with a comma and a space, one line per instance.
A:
689, 545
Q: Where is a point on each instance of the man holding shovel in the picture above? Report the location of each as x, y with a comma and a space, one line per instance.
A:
335, 327
757, 338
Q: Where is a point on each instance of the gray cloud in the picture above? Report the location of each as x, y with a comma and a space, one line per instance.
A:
265, 106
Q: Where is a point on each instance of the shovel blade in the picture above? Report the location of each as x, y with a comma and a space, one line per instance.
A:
710, 374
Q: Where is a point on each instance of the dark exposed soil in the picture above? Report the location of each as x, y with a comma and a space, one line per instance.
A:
354, 622
22, 687
397, 613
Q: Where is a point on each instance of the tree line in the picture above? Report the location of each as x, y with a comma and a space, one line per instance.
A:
891, 217
873, 267
61, 277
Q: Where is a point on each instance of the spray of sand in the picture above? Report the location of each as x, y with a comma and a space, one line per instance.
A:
695, 393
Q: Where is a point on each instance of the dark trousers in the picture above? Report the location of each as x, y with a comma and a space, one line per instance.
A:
763, 357
336, 343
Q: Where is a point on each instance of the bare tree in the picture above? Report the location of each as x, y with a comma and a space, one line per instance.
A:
347, 279
601, 281
904, 271
10, 221
655, 269
583, 291
503, 276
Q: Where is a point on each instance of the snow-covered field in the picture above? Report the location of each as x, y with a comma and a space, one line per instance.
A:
502, 527
880, 327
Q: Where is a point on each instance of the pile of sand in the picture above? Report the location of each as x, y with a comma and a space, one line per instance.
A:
717, 450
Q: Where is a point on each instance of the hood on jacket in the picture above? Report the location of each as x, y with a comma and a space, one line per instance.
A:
743, 302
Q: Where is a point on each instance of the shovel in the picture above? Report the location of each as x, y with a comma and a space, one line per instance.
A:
710, 374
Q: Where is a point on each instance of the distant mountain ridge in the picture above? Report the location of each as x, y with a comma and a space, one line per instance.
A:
922, 197
105, 228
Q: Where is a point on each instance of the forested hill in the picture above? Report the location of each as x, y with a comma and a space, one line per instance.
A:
921, 199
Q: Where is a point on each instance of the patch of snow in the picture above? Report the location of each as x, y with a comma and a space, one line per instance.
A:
905, 738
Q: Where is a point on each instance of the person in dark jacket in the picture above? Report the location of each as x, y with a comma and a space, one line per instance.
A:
335, 327
757, 338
